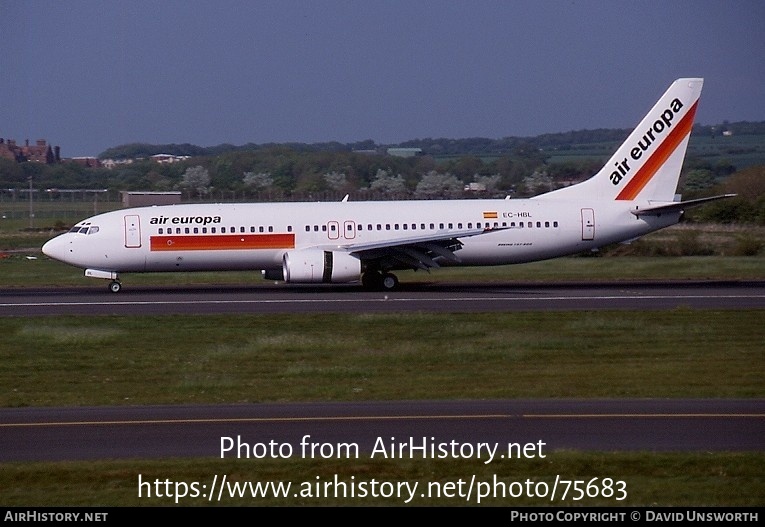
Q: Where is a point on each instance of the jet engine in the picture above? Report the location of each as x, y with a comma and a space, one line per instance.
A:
318, 266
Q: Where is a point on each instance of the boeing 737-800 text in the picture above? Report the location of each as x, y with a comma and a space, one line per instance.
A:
344, 242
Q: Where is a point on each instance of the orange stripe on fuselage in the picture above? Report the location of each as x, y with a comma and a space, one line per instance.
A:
222, 242
647, 171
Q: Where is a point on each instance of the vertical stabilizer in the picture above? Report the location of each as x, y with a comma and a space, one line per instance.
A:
647, 165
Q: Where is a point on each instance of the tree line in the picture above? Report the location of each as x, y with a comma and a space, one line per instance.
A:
364, 171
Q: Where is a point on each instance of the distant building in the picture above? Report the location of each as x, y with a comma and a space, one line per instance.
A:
475, 187
40, 152
168, 158
146, 199
111, 163
404, 152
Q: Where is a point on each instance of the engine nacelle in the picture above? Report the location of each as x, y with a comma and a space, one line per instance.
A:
317, 266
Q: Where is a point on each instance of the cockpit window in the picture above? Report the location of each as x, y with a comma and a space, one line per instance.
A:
82, 229
93, 229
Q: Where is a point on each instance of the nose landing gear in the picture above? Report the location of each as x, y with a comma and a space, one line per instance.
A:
114, 286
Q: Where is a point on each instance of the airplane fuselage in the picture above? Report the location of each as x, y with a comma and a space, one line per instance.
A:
256, 236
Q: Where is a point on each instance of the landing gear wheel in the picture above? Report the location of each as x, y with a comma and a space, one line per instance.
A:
115, 286
389, 281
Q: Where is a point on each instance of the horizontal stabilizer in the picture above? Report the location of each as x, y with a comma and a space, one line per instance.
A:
677, 206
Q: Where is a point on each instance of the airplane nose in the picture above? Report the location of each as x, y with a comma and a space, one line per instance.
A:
54, 248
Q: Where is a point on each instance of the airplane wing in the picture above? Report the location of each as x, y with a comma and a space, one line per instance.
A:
676, 206
414, 252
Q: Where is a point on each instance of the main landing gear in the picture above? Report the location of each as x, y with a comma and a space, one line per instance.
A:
115, 286
378, 281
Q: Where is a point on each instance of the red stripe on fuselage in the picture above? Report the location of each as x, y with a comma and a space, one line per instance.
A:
649, 169
222, 242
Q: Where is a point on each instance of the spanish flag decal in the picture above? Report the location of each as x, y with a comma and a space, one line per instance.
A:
490, 215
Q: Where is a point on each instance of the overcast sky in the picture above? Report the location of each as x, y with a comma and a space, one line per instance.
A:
89, 75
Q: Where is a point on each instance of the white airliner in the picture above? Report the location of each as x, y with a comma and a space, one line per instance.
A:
344, 242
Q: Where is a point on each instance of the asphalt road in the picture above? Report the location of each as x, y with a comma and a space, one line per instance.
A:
413, 297
537, 427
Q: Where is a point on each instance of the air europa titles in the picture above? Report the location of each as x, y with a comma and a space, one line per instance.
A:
184, 220
651, 135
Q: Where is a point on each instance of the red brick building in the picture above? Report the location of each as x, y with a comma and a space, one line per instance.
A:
40, 152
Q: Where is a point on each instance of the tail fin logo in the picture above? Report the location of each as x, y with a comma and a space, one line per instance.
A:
653, 134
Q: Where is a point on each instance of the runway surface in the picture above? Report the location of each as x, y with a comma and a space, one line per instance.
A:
536, 427
411, 297
34, 434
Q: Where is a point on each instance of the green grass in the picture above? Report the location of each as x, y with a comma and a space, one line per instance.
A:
112, 360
